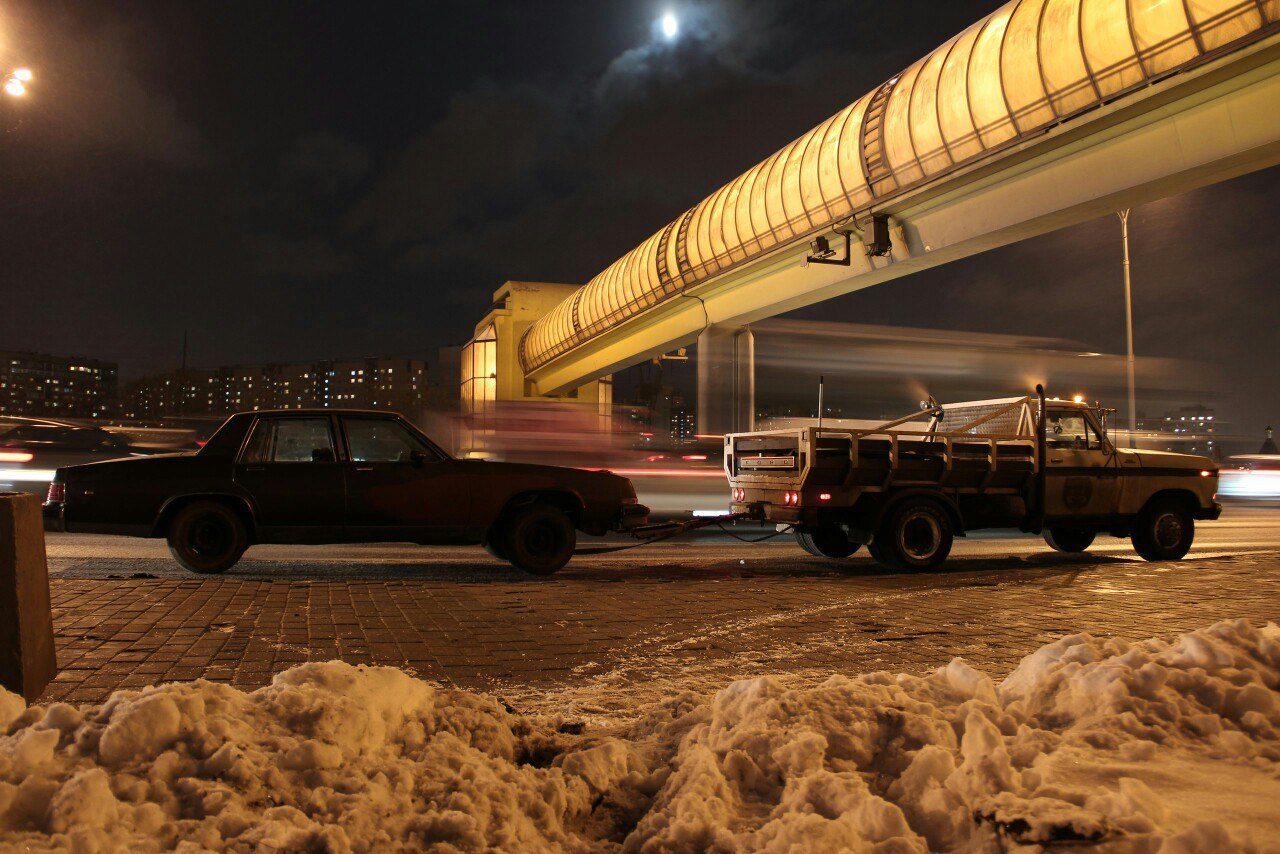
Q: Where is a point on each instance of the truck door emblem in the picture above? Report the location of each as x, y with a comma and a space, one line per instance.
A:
1076, 492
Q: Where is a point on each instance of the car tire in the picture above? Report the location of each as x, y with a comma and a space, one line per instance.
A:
1163, 530
493, 546
537, 538
207, 537
828, 541
1072, 540
915, 535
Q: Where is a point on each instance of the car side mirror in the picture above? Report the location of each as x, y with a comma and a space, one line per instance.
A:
420, 457
321, 455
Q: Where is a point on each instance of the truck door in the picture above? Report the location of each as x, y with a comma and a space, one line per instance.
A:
1081, 474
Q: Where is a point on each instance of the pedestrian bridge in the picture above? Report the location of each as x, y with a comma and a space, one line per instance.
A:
1043, 114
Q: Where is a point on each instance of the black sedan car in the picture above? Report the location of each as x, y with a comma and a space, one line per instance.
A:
326, 476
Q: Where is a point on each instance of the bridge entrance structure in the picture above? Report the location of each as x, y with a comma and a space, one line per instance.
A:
1044, 114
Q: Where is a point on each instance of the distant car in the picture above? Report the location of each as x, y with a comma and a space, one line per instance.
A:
1255, 476
31, 449
337, 476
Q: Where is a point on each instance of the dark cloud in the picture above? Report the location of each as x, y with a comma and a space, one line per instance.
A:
307, 257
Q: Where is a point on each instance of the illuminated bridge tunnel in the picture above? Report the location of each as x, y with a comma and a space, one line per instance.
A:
1042, 114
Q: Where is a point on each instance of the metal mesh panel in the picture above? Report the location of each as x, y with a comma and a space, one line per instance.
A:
1005, 424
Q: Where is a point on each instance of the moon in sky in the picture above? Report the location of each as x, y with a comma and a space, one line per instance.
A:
670, 25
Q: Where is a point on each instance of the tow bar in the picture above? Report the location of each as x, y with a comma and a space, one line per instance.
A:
648, 534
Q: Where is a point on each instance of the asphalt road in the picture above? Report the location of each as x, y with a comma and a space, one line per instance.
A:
1242, 530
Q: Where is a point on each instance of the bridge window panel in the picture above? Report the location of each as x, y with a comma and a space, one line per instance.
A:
1020, 68
1062, 58
629, 294
926, 133
1108, 46
649, 282
1271, 8
955, 117
641, 275
1163, 34
778, 228
1221, 22
757, 222
622, 296
607, 290
900, 150
742, 211
702, 255
715, 228
811, 195
729, 220
793, 207
986, 88
853, 180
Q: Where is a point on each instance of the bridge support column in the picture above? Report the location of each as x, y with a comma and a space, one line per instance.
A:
726, 379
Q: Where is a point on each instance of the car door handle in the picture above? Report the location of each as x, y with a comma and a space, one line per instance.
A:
1055, 459
364, 468
254, 468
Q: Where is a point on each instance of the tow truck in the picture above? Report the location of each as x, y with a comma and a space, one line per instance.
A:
905, 488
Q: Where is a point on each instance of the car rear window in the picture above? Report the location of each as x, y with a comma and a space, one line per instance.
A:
290, 440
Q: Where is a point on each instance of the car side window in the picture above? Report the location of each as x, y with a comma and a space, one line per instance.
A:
1072, 431
381, 440
290, 440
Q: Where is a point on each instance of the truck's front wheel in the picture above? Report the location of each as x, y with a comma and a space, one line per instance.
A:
1069, 539
1163, 531
827, 541
916, 534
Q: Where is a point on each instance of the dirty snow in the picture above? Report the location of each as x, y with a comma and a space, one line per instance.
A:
1160, 745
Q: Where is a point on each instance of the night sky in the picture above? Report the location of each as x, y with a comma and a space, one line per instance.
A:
313, 180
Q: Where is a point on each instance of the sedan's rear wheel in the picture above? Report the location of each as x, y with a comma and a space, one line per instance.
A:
207, 537
828, 541
537, 538
1069, 539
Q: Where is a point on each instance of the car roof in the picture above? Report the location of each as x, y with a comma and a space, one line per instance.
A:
313, 411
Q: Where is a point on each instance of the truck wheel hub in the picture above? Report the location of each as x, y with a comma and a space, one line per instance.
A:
1168, 530
921, 535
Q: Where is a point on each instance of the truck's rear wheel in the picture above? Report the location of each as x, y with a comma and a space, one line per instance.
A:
827, 541
915, 535
1069, 539
1163, 531
207, 537
537, 538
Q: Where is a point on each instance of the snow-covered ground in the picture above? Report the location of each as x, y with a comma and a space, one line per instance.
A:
1160, 745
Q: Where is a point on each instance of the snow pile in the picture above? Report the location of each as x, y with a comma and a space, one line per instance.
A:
1150, 746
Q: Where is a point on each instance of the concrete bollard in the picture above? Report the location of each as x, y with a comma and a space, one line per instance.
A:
27, 662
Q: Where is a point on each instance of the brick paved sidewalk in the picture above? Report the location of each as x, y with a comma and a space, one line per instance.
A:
602, 638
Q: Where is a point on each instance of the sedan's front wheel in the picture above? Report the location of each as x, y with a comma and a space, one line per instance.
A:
537, 538
207, 537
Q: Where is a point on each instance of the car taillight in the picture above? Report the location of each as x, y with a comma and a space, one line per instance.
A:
16, 456
739, 494
792, 498
57, 492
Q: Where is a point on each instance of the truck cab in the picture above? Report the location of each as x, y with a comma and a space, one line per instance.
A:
905, 488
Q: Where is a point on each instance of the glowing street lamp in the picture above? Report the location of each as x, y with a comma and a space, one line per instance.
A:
15, 85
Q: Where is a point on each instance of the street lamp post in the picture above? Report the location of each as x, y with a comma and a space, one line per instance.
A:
1128, 320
